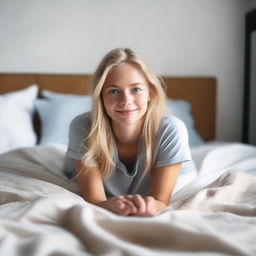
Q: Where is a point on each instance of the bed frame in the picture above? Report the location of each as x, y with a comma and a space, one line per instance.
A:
200, 92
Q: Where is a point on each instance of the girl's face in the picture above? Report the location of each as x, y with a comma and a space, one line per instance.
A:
126, 95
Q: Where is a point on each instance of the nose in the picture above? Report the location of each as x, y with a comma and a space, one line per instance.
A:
126, 98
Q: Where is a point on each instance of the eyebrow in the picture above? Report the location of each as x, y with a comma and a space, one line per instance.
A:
131, 85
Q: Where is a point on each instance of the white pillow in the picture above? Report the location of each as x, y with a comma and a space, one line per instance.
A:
16, 124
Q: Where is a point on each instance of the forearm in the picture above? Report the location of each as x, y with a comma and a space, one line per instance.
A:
160, 205
102, 203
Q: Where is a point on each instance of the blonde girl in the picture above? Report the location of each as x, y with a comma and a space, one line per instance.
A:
127, 151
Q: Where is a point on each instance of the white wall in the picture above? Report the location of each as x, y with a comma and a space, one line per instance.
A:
252, 4
177, 37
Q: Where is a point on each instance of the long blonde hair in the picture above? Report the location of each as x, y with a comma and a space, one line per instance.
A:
100, 141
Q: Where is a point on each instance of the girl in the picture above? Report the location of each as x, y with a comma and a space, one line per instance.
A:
127, 153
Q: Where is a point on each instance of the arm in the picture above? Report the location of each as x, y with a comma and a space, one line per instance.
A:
90, 183
163, 184
92, 190
173, 144
161, 188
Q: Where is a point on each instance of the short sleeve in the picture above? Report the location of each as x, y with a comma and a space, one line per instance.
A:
172, 143
78, 131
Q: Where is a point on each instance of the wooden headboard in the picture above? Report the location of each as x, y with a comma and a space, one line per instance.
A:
200, 92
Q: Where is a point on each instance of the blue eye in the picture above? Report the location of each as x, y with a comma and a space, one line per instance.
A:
136, 89
113, 91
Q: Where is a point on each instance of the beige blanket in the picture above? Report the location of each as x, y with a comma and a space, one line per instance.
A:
41, 213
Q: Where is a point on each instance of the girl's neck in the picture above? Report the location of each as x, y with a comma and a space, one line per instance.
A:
128, 135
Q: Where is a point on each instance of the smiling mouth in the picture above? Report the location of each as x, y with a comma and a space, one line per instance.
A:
126, 112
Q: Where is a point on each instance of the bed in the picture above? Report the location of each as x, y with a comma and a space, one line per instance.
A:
212, 211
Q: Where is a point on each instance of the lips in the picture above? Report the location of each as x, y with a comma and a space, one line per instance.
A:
126, 111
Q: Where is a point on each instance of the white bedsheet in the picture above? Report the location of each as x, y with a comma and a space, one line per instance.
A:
41, 212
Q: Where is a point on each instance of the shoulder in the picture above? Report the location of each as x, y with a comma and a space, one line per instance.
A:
171, 130
171, 143
172, 124
82, 120
81, 124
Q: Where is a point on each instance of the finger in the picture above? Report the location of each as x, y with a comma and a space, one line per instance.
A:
150, 206
120, 204
120, 197
139, 203
129, 197
129, 201
131, 205
120, 207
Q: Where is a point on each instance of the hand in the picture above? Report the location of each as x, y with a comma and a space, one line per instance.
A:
119, 205
145, 206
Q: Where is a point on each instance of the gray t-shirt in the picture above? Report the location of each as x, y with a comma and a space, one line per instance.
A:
170, 147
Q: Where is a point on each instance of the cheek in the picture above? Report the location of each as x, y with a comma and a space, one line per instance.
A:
104, 101
144, 99
108, 101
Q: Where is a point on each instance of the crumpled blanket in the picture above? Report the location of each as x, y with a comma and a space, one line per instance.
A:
41, 213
